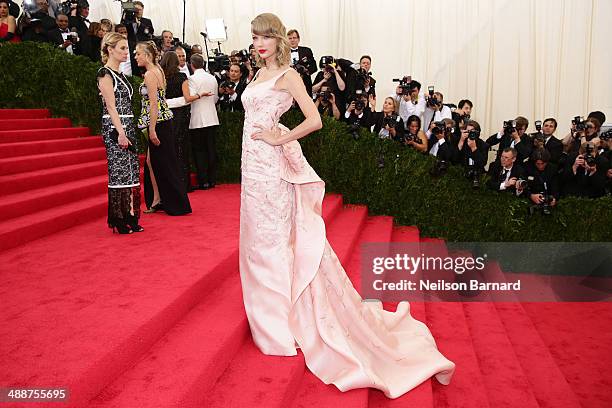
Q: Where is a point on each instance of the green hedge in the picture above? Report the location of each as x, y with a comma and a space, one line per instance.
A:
38, 75
444, 207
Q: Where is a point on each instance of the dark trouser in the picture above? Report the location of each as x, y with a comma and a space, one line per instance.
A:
204, 148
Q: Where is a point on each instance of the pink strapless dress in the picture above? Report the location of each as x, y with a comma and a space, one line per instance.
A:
296, 293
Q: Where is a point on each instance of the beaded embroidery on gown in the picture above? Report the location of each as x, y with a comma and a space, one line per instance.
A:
295, 291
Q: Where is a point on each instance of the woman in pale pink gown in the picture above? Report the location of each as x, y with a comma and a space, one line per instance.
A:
296, 293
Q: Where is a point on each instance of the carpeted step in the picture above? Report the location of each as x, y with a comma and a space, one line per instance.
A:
503, 376
48, 146
547, 381
22, 164
24, 114
31, 180
28, 202
48, 123
18, 231
107, 298
312, 391
280, 382
30, 135
186, 348
422, 395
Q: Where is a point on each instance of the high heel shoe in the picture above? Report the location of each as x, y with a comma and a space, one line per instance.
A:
121, 228
133, 224
153, 208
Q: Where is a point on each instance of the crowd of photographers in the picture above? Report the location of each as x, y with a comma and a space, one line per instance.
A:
538, 165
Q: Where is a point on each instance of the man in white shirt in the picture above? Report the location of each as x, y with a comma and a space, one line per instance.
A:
204, 122
435, 111
411, 102
182, 57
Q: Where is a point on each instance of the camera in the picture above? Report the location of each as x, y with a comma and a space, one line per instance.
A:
607, 135
324, 95
326, 63
538, 126
404, 84
509, 127
353, 128
588, 156
579, 123
72, 37
432, 101
439, 128
391, 120
362, 77
66, 7
360, 103
300, 67
473, 134
218, 62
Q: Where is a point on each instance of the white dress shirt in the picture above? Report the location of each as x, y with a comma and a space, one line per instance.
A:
444, 113
436, 147
407, 109
185, 70
203, 110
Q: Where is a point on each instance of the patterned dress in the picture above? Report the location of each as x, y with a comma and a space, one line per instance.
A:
123, 164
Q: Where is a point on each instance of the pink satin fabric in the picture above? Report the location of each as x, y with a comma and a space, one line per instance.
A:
296, 293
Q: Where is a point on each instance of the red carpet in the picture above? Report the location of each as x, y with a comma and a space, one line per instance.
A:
156, 319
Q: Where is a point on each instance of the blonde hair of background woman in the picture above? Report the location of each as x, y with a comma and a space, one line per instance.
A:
270, 25
110, 40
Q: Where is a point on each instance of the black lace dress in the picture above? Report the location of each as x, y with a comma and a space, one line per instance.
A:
123, 164
174, 89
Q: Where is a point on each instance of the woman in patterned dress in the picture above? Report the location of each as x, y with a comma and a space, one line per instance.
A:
119, 138
164, 189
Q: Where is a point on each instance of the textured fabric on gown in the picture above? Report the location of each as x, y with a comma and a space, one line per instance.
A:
296, 293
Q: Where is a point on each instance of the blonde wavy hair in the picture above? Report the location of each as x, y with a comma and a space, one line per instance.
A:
150, 49
110, 40
270, 25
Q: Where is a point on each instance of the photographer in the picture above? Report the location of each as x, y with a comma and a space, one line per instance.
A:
361, 78
470, 151
504, 173
62, 36
358, 112
463, 111
302, 59
139, 28
439, 140
78, 21
167, 41
231, 89
435, 110
42, 14
387, 124
411, 100
330, 75
585, 173
414, 135
541, 183
581, 131
544, 138
326, 103
513, 135
182, 56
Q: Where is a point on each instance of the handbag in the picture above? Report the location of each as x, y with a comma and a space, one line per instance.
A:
114, 136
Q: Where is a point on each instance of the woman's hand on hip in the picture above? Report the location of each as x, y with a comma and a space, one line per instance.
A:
271, 137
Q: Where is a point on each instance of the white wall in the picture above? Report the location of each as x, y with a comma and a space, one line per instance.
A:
536, 58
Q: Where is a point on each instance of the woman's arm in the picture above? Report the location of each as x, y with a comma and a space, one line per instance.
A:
339, 80
421, 147
11, 29
292, 82
105, 84
186, 94
151, 83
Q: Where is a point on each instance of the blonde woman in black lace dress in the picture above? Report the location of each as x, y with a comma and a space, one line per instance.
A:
118, 132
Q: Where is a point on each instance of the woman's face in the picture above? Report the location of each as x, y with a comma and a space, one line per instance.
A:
101, 32
591, 129
388, 106
4, 10
120, 51
265, 46
141, 57
413, 127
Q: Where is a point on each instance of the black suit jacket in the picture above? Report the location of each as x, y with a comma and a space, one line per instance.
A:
496, 175
78, 23
463, 156
307, 59
546, 181
376, 120
555, 148
235, 106
524, 148
144, 31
